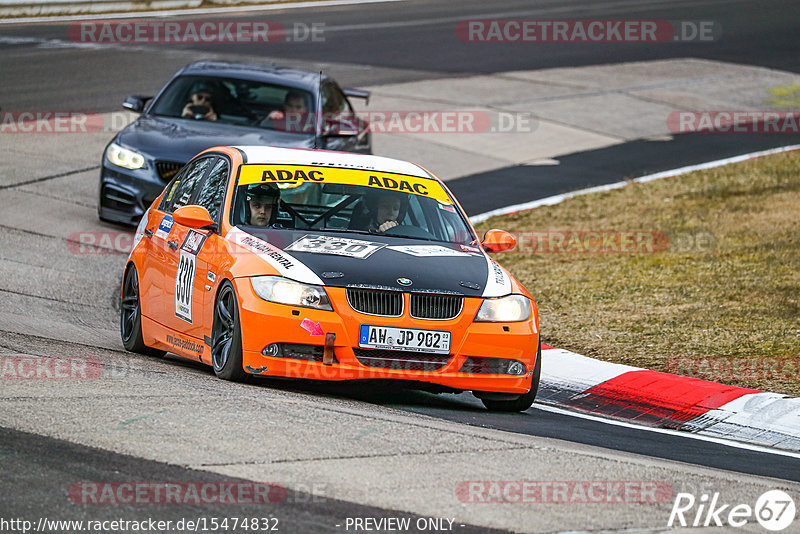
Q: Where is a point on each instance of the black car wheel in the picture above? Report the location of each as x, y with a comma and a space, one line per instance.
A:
524, 401
130, 317
226, 336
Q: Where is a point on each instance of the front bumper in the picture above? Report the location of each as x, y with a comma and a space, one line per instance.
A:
125, 195
264, 323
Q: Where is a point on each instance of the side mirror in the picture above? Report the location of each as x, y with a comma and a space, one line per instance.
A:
136, 103
193, 216
357, 93
498, 241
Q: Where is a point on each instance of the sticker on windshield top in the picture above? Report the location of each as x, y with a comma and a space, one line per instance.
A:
287, 175
427, 250
165, 227
337, 246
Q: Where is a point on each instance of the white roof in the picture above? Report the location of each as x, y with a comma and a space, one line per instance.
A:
300, 156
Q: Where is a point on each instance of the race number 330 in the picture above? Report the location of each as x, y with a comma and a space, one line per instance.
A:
184, 283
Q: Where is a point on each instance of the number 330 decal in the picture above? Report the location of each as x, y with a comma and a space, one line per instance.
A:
184, 278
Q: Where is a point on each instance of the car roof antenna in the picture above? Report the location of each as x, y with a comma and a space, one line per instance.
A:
318, 129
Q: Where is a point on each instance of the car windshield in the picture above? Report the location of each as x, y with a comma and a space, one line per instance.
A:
235, 101
347, 200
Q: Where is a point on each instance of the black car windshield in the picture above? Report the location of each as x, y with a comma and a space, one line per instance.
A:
235, 101
402, 206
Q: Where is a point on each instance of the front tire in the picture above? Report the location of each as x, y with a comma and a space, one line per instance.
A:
525, 400
226, 336
130, 316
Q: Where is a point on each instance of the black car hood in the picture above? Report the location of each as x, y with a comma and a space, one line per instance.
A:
173, 139
439, 267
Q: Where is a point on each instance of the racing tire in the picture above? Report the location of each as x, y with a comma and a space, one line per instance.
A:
524, 401
130, 316
226, 336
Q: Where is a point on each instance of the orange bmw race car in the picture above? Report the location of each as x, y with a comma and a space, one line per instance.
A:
333, 266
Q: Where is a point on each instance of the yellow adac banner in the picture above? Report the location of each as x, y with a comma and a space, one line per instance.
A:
294, 175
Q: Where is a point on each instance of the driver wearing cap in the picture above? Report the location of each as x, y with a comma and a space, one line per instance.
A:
262, 201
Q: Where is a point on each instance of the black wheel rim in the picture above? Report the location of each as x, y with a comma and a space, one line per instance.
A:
224, 325
130, 304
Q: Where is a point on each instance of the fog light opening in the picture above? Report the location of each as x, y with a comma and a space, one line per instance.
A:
516, 368
271, 350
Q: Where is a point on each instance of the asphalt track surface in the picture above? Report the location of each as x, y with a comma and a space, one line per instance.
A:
375, 44
37, 469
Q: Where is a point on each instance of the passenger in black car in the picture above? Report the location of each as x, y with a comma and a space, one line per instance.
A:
294, 117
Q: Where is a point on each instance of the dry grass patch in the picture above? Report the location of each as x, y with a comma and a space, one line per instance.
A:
720, 300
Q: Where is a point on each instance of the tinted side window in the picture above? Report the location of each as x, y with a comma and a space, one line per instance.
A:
213, 190
181, 189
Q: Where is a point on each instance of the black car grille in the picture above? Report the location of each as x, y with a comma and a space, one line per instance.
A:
167, 169
374, 302
439, 307
401, 360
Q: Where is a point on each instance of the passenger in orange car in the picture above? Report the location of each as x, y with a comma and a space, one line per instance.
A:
385, 210
262, 201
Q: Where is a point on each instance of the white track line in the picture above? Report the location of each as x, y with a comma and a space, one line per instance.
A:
677, 433
191, 11
557, 199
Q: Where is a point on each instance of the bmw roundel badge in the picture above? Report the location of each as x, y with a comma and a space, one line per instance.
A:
404, 281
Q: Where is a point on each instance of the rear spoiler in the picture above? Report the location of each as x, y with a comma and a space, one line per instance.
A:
357, 93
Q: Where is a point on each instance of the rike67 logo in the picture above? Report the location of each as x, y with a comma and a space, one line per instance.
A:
774, 510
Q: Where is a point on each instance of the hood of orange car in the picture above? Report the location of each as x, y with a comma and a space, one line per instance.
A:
384, 262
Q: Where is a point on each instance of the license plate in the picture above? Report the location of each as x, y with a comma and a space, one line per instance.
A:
409, 339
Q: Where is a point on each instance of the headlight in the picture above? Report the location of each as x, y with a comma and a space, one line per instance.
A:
508, 309
283, 291
123, 157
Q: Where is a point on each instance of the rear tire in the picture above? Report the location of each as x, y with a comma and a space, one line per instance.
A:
130, 316
525, 400
226, 336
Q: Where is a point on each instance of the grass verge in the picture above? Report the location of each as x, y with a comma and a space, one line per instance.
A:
696, 275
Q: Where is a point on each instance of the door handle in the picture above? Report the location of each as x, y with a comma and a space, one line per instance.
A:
148, 232
173, 245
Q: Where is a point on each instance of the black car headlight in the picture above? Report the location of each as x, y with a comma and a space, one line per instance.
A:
284, 291
124, 157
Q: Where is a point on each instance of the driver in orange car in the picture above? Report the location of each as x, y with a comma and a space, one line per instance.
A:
262, 201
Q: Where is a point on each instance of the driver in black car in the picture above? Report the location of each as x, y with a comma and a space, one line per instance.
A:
200, 107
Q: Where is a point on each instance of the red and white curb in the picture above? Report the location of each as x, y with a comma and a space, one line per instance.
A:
663, 400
